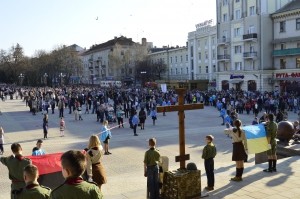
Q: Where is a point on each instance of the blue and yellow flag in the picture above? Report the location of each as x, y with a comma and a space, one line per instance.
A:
256, 138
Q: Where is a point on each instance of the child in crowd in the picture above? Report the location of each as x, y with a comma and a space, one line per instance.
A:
208, 154
62, 126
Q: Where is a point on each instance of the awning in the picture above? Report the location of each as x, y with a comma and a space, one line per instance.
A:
236, 81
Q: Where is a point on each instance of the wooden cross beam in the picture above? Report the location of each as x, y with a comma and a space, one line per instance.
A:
181, 107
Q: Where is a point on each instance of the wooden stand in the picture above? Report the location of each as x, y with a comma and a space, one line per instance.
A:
181, 184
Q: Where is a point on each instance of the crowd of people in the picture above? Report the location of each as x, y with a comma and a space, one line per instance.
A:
114, 105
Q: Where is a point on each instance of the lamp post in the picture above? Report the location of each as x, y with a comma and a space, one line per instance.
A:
45, 79
61, 76
21, 77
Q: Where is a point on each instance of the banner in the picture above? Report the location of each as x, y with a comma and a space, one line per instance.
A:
256, 138
163, 88
47, 164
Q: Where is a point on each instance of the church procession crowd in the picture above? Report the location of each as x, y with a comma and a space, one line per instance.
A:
136, 105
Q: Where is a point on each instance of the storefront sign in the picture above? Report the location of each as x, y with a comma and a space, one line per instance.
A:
285, 75
237, 76
204, 24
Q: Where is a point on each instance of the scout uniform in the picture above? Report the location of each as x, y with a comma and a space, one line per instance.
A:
15, 165
76, 188
272, 133
151, 159
209, 153
33, 190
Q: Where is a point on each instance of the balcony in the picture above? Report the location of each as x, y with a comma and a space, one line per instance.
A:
97, 66
91, 67
223, 57
250, 55
224, 41
250, 37
286, 52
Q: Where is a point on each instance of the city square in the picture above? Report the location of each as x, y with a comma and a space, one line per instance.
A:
125, 166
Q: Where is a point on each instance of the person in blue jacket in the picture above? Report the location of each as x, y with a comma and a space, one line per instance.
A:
135, 122
105, 136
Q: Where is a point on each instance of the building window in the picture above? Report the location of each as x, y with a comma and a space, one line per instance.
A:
176, 71
282, 26
282, 46
171, 59
199, 69
298, 62
238, 66
206, 68
225, 2
237, 1
237, 49
237, 32
213, 54
199, 55
251, 29
192, 65
206, 55
186, 57
298, 24
213, 40
298, 45
181, 58
176, 59
192, 51
214, 68
187, 70
205, 43
171, 71
225, 17
237, 14
282, 64
252, 10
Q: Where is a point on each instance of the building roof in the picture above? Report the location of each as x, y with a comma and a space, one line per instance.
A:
117, 40
293, 5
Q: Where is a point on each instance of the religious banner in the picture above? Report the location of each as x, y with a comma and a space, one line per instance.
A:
163, 88
256, 138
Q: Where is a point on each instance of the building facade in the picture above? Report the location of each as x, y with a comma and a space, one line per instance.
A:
286, 52
245, 44
176, 60
202, 51
113, 60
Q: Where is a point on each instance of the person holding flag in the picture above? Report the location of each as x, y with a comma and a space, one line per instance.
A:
272, 128
105, 137
239, 148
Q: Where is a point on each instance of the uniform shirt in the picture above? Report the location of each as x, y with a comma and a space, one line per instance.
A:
272, 131
15, 167
152, 157
33, 191
76, 189
209, 151
234, 134
38, 152
93, 156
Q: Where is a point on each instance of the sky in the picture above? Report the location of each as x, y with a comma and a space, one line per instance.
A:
46, 24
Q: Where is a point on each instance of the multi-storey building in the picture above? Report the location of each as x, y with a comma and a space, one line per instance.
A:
113, 60
245, 43
202, 51
286, 43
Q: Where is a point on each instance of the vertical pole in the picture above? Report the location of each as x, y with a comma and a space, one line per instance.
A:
180, 93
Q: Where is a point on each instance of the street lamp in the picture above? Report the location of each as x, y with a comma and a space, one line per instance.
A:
61, 76
21, 76
45, 78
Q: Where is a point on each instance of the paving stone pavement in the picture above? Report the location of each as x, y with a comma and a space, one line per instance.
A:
125, 166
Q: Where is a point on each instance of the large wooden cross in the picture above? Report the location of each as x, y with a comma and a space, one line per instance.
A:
181, 107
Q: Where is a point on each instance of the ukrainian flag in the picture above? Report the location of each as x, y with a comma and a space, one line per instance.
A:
256, 138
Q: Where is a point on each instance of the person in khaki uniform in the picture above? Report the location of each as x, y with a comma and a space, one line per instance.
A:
15, 165
95, 169
151, 169
33, 189
73, 165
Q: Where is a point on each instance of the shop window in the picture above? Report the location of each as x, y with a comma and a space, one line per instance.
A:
282, 64
298, 62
